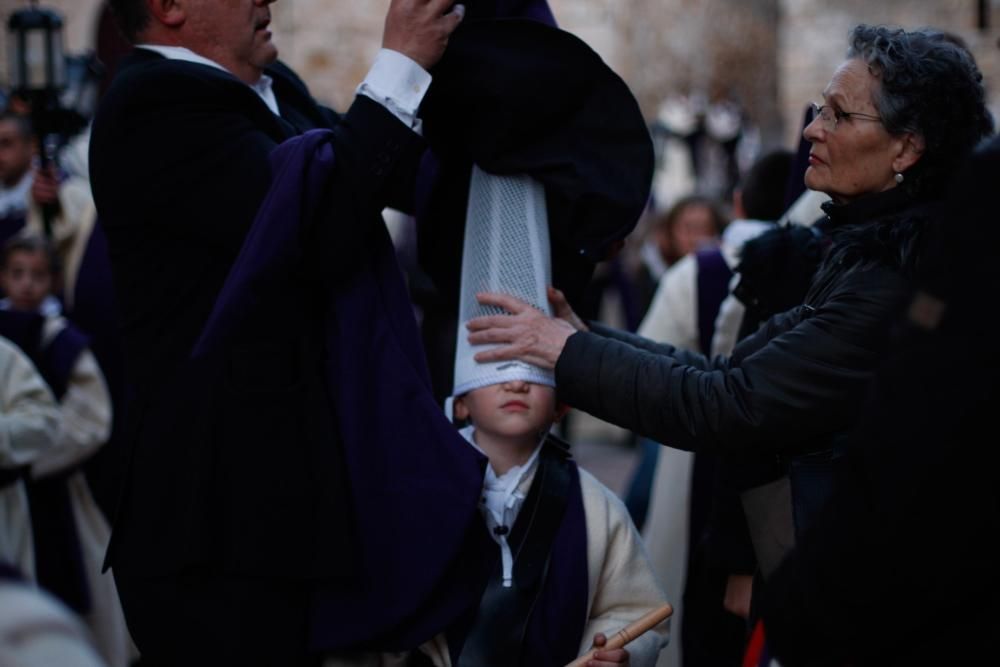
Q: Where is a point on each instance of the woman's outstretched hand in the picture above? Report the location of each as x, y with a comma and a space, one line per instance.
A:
527, 333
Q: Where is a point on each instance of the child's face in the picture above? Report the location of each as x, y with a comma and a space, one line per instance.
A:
26, 279
15, 153
515, 409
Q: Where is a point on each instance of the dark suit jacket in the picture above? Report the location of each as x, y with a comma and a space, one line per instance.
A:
231, 464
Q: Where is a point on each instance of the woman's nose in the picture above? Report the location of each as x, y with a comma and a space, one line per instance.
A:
814, 130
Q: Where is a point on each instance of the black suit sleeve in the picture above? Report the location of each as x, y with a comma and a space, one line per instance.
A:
180, 164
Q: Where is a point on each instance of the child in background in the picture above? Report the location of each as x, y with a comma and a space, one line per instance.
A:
29, 422
70, 532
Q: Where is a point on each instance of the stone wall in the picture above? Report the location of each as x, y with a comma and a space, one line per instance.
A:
331, 43
773, 56
717, 48
658, 46
813, 40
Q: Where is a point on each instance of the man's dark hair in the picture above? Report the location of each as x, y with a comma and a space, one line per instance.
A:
22, 122
30, 243
132, 17
763, 188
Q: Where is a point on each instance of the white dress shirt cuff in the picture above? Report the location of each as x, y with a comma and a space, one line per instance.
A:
397, 83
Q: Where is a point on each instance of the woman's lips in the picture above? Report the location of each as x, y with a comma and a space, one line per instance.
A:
815, 160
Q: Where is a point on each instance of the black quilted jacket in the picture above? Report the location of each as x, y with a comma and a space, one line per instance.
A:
792, 387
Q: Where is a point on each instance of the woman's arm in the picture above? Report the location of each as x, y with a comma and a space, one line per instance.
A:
799, 377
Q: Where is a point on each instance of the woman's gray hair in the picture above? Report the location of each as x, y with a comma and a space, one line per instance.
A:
929, 85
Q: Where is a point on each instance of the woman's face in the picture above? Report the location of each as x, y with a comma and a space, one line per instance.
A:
858, 156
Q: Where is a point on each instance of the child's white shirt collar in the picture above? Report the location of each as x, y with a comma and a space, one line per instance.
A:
502, 499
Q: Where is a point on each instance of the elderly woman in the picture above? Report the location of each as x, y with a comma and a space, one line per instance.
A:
899, 115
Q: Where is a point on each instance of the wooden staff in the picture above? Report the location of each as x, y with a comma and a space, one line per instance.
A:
628, 633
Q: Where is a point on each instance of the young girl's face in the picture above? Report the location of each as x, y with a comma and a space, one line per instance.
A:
515, 409
694, 227
26, 279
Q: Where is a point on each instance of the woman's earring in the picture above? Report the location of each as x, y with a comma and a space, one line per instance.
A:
899, 177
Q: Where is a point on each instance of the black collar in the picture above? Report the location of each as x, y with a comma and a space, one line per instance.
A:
868, 207
298, 112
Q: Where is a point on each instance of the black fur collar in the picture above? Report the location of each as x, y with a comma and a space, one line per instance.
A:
882, 229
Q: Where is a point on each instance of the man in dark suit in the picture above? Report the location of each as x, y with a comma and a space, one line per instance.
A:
237, 500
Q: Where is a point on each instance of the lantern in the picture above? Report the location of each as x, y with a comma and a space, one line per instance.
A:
37, 65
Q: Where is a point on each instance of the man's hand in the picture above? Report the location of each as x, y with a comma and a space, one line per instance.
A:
527, 333
419, 29
45, 188
618, 656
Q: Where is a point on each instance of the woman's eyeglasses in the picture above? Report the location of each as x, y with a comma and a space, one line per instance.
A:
830, 116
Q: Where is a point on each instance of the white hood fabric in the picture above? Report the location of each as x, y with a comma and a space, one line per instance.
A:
506, 250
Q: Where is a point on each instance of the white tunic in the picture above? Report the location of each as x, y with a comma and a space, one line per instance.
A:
621, 583
620, 579
84, 427
29, 423
36, 630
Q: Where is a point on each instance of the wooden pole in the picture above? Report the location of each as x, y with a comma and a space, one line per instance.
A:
628, 633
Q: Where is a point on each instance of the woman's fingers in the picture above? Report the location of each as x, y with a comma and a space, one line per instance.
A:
558, 300
509, 353
494, 335
489, 322
562, 309
527, 334
509, 303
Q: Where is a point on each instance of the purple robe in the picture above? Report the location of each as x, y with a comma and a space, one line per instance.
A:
415, 482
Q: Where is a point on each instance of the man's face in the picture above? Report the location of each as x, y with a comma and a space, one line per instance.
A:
234, 33
15, 153
26, 279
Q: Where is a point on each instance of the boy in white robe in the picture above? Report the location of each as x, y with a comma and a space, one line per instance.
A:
29, 422
84, 405
510, 423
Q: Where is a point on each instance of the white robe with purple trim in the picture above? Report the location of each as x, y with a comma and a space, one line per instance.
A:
29, 425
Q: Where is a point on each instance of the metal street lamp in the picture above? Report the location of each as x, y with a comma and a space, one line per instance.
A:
38, 75
37, 64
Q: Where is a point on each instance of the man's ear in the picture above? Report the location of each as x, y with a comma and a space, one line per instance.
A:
910, 150
561, 410
170, 13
